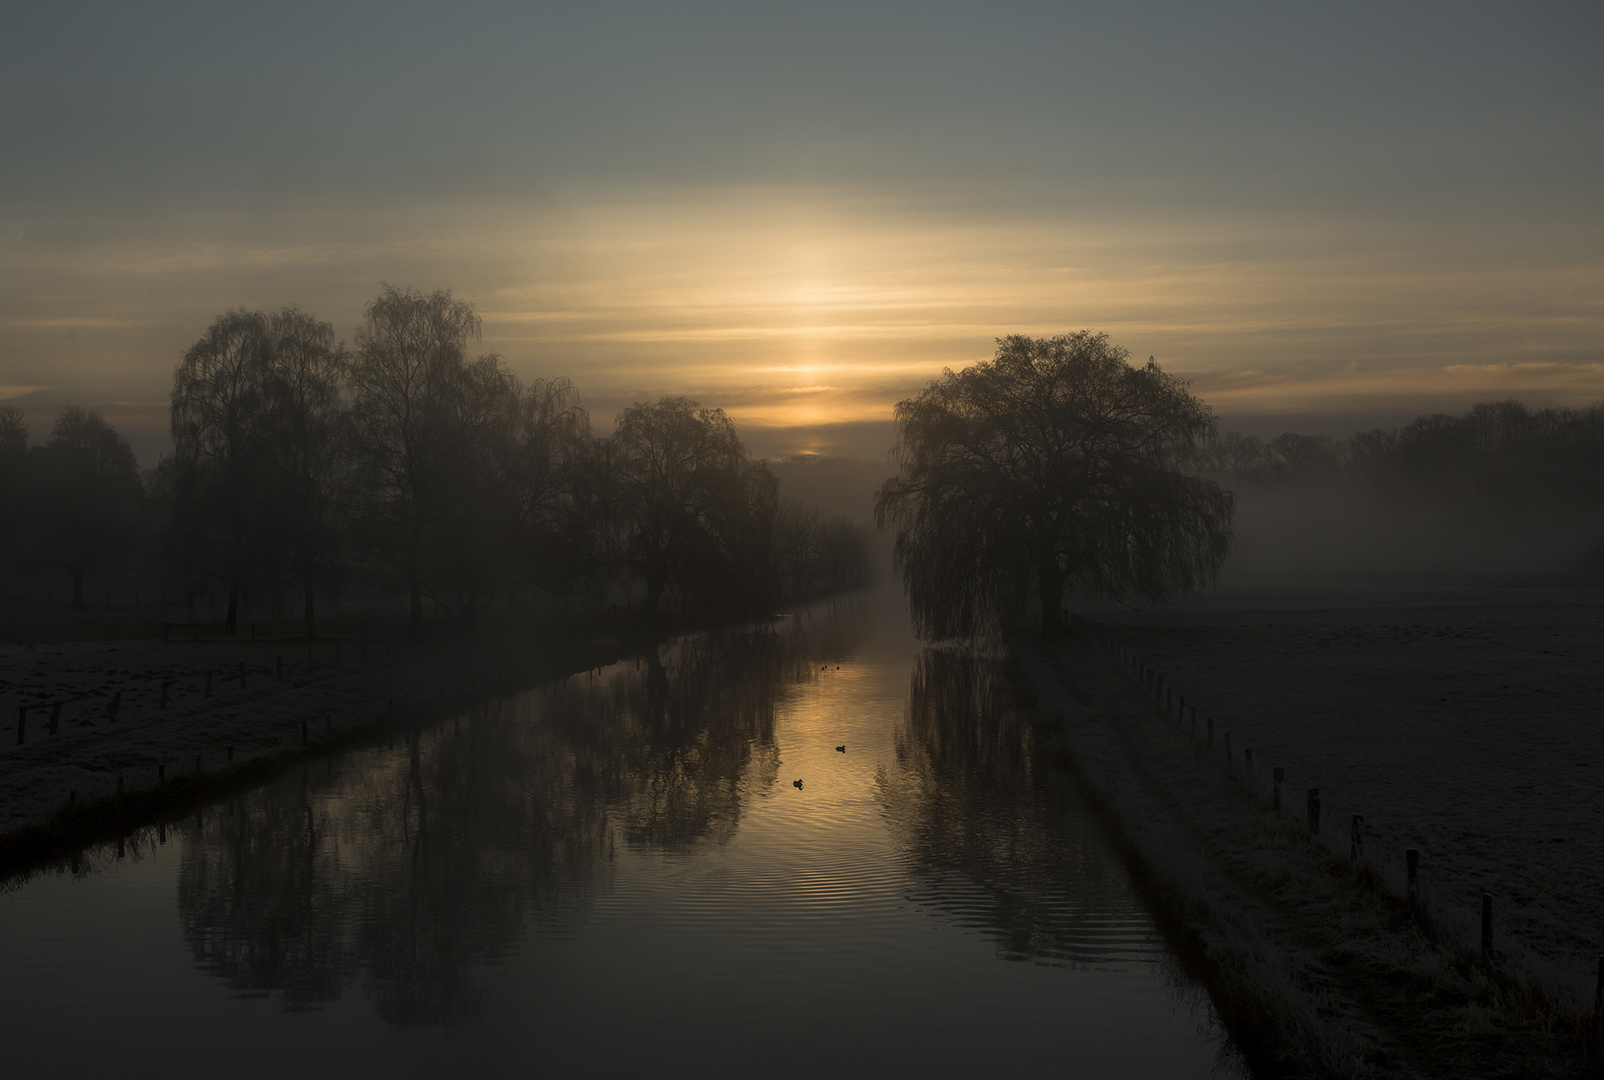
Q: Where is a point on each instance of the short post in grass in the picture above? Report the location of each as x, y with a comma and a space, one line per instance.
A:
230, 753
309, 658
1487, 926
161, 772
336, 654
167, 684
1169, 700
1356, 839
116, 703
1211, 733
1277, 776
208, 684
1412, 875
242, 674
1247, 757
1314, 811
278, 667
1180, 712
328, 724
303, 733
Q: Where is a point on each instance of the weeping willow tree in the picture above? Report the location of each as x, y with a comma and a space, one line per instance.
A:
1056, 467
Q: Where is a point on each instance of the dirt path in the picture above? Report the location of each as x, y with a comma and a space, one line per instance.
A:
1316, 968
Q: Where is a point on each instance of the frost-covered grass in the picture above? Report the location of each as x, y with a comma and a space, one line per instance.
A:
331, 688
1468, 724
1317, 966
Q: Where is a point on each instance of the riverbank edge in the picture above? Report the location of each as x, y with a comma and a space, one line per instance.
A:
69, 829
1283, 1010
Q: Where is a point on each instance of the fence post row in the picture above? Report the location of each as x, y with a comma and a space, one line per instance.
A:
1154, 682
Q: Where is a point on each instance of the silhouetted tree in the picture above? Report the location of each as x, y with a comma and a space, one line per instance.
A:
696, 511
13, 482
408, 379
220, 410
1056, 465
88, 495
549, 462
304, 446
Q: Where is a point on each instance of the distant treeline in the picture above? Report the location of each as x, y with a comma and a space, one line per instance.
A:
1500, 450
403, 468
1501, 462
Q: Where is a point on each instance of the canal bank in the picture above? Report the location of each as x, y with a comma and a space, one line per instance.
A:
1316, 967
107, 736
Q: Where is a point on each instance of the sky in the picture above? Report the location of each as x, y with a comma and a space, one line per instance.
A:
1327, 217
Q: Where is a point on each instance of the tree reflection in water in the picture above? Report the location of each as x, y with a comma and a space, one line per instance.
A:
409, 870
997, 834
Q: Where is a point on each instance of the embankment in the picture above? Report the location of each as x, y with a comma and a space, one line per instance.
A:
1316, 966
113, 734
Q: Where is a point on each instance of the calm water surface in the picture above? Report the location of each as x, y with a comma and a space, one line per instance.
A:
617, 876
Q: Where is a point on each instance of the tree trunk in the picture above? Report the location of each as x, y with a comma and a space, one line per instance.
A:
654, 591
1050, 578
78, 590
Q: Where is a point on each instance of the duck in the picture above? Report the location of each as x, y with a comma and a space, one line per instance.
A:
797, 784
841, 749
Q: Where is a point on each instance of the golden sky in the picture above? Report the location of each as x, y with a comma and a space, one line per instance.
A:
1319, 219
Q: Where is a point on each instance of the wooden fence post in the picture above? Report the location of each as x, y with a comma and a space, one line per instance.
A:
1486, 926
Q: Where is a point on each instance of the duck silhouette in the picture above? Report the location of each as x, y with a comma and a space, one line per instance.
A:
797, 784
841, 749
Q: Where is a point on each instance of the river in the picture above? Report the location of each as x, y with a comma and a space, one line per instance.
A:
618, 875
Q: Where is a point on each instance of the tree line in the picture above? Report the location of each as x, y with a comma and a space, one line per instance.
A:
402, 465
1501, 451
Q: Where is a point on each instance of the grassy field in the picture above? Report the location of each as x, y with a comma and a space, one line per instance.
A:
1468, 724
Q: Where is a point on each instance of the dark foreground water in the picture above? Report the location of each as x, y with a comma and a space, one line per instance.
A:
617, 876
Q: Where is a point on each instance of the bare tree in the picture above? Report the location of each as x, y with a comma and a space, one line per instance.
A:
89, 492
305, 446
688, 496
407, 378
219, 419
549, 455
1054, 466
